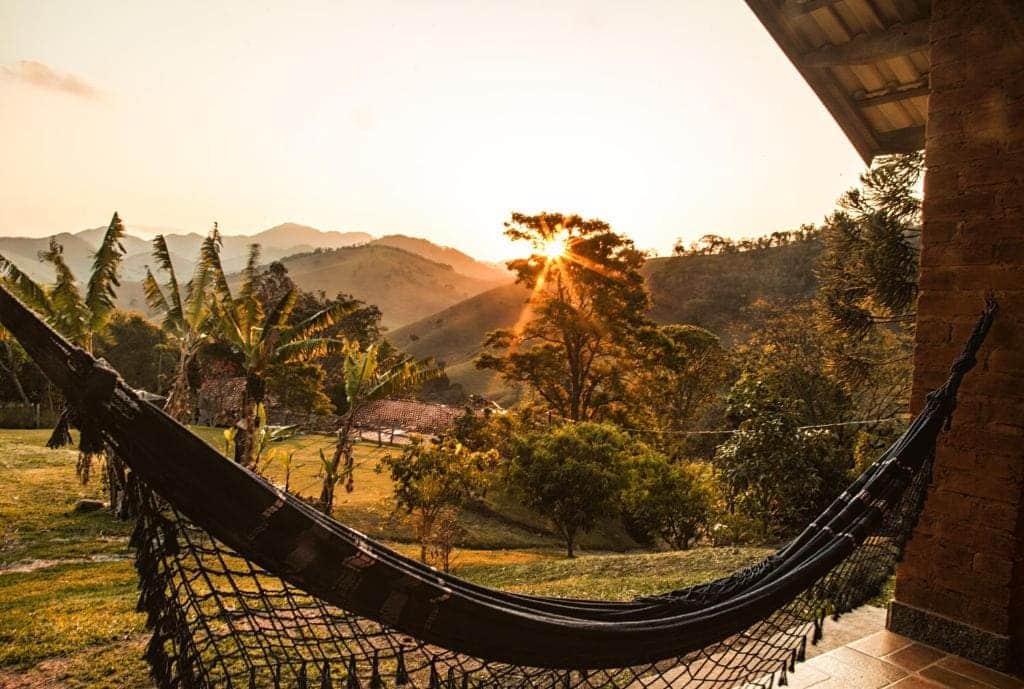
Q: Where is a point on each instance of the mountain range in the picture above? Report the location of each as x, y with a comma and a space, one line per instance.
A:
406, 277
439, 302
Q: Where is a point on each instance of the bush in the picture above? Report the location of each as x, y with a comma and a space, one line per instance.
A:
572, 475
673, 502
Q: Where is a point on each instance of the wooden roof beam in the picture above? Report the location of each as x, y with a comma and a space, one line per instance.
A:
905, 140
796, 8
897, 40
892, 95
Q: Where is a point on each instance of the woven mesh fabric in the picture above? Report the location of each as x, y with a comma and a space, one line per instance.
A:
218, 620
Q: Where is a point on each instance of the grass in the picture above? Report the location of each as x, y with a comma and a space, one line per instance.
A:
68, 587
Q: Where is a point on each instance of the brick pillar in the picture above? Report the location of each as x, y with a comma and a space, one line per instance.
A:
961, 584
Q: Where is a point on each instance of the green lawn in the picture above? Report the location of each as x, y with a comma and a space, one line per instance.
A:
68, 589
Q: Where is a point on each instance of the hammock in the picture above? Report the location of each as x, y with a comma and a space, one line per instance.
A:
247, 586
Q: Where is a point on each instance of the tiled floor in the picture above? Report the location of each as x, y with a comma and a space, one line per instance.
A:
883, 659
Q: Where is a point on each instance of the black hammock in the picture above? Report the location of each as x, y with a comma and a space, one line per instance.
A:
246, 586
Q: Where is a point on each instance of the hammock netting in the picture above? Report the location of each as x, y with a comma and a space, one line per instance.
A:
244, 585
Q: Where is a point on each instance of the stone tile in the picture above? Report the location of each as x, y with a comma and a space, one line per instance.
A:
915, 657
981, 673
857, 669
853, 626
881, 644
948, 678
914, 682
805, 676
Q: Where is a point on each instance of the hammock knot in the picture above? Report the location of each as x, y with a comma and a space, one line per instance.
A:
99, 383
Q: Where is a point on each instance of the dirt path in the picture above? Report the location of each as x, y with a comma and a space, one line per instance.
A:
25, 566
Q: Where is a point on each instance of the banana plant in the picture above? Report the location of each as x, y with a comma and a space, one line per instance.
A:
76, 316
263, 338
367, 377
187, 315
79, 318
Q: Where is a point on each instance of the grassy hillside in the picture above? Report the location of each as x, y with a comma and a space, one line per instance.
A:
713, 292
460, 262
403, 285
68, 589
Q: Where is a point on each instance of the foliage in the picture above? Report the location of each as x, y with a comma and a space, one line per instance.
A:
263, 338
432, 481
76, 316
678, 374
671, 501
572, 475
868, 270
367, 374
80, 318
187, 316
298, 386
138, 350
714, 245
585, 307
771, 469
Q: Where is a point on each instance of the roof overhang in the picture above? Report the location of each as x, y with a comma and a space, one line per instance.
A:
868, 61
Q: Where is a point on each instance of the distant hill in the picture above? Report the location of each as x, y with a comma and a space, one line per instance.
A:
406, 277
453, 336
403, 285
460, 262
713, 292
288, 235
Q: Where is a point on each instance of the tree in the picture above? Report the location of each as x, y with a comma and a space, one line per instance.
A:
680, 370
868, 270
572, 475
78, 318
138, 350
187, 317
11, 361
368, 376
262, 339
774, 471
298, 386
432, 480
674, 502
588, 300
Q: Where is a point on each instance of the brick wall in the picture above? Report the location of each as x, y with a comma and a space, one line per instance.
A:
965, 560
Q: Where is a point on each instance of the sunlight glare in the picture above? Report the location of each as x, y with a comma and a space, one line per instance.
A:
555, 246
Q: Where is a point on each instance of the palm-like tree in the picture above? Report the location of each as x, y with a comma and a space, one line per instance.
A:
367, 377
264, 338
79, 318
187, 318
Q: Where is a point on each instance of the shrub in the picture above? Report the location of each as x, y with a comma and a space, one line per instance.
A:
673, 502
572, 475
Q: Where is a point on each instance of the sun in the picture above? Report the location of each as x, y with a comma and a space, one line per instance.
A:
555, 246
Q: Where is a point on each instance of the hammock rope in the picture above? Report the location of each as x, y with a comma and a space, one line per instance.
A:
247, 586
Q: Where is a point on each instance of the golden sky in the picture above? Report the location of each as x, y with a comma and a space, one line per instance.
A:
426, 117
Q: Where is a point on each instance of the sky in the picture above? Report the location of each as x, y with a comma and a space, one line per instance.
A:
434, 118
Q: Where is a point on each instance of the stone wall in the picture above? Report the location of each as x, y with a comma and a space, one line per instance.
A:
961, 585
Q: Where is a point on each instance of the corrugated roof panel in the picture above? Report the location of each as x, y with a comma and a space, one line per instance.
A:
857, 55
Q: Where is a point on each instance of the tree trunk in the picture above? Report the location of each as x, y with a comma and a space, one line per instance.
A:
570, 543
342, 450
179, 399
246, 447
12, 371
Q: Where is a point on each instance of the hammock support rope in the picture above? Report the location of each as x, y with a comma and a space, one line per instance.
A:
247, 586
